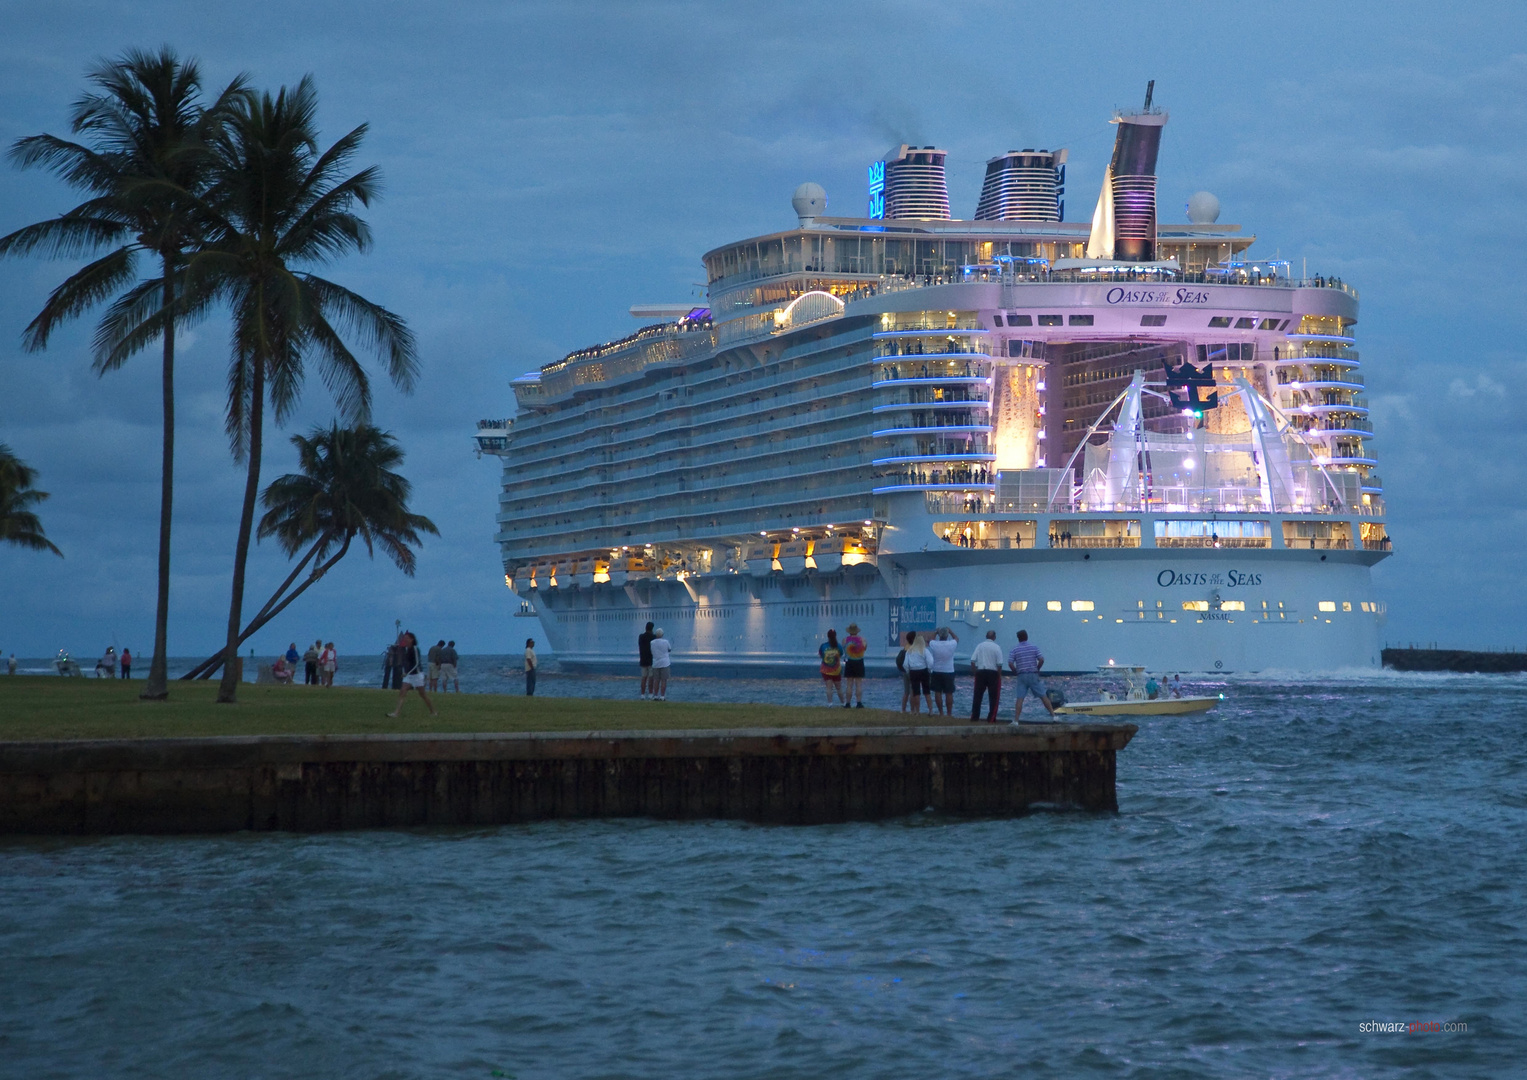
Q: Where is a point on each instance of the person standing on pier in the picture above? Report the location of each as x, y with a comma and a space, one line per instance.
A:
1026, 661
986, 663
854, 648
644, 659
831, 654
941, 669
662, 660
917, 673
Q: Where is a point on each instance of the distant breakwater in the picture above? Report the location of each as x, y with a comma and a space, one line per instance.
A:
314, 784
1459, 660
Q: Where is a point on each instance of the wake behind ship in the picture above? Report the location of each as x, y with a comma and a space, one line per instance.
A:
1127, 437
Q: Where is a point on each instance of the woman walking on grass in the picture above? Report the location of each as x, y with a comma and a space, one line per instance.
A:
328, 664
413, 674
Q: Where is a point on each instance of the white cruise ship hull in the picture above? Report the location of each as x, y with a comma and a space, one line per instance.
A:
1082, 608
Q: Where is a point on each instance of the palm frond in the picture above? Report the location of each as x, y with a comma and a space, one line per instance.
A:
379, 329
80, 292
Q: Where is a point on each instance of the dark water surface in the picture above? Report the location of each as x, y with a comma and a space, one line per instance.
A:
1301, 861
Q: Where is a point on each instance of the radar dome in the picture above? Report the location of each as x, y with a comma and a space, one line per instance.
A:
1203, 208
810, 202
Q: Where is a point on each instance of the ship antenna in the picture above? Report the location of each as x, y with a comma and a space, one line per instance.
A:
1150, 88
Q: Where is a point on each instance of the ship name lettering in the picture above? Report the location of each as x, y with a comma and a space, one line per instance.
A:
1231, 579
1120, 295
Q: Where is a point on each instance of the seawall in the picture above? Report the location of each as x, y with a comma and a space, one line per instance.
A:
318, 783
1458, 660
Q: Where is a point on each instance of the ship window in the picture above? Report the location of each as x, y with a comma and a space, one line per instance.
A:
1195, 605
1053, 605
979, 605
1020, 320
1328, 605
1346, 605
1245, 324
1081, 605
1219, 321
1269, 324
996, 320
1152, 320
1018, 605
1232, 605
996, 605
1081, 320
1049, 320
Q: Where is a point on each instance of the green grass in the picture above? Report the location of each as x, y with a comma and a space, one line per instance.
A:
49, 707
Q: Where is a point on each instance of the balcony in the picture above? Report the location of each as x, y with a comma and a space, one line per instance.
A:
911, 401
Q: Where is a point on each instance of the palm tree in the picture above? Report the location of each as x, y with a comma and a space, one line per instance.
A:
147, 132
19, 524
347, 487
275, 204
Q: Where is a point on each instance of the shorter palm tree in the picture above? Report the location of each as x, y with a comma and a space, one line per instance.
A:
19, 524
348, 487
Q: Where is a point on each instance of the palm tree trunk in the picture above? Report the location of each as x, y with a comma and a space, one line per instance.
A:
157, 688
269, 613
212, 663
227, 691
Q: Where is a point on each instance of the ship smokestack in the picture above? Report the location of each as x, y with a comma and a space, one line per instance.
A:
1124, 226
915, 186
1024, 185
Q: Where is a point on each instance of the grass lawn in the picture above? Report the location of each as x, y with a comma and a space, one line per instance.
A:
49, 707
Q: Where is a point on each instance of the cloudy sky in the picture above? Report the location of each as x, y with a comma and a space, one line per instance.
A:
549, 164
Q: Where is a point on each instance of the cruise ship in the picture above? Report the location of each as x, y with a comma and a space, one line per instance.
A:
1129, 437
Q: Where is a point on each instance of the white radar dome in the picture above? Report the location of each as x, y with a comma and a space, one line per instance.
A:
810, 202
1203, 208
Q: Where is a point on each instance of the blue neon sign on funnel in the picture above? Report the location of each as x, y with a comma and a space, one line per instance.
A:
877, 190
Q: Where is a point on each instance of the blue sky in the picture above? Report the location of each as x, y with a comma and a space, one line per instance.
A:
549, 164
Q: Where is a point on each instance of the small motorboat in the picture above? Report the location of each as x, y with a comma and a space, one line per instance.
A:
1140, 706
1134, 701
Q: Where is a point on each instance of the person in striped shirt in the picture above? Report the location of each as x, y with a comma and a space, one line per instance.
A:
1025, 660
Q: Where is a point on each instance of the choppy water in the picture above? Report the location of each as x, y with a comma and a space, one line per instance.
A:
1301, 861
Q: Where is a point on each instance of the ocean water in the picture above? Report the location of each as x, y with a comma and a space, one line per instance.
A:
1311, 857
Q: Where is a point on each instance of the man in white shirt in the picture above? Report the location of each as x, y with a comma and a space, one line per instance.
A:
986, 662
941, 669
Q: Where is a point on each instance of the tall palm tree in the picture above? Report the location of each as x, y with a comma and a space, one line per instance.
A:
276, 204
19, 524
347, 487
147, 132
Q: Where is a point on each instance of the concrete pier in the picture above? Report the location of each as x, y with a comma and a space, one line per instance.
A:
316, 783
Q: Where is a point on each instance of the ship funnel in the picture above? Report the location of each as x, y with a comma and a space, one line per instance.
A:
914, 184
1124, 224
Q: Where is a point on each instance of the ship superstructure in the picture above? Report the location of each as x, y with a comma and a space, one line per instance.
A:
1136, 442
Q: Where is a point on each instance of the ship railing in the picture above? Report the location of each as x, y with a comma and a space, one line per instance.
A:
1214, 541
1058, 540
992, 543
1353, 424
